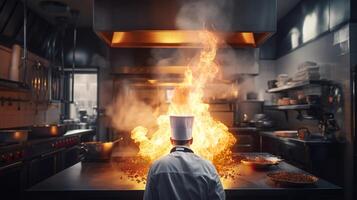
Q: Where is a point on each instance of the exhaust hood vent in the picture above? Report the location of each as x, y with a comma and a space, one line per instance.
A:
169, 24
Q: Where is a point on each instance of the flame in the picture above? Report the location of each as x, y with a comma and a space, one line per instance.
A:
211, 138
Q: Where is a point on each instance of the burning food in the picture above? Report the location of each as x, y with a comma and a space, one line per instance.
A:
292, 178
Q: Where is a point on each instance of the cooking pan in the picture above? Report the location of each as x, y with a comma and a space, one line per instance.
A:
47, 130
13, 136
98, 151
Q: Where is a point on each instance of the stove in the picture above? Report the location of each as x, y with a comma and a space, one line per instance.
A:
12, 169
10, 154
27, 163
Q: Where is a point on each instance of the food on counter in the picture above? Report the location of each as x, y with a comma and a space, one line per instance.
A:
292, 178
261, 161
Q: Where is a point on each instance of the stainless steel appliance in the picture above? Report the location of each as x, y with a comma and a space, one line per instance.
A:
246, 110
12, 170
49, 156
47, 130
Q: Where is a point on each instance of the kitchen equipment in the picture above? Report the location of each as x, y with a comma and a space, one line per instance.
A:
12, 171
313, 99
292, 178
272, 84
303, 133
262, 121
328, 125
261, 162
13, 136
47, 130
286, 133
246, 110
97, 151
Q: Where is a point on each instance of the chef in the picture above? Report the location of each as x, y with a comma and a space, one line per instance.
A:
182, 174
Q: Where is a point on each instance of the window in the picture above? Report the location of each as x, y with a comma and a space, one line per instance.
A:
84, 106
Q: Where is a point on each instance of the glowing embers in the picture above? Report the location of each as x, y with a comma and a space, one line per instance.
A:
175, 38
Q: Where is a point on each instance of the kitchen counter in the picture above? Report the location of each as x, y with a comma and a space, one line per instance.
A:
104, 181
291, 139
78, 132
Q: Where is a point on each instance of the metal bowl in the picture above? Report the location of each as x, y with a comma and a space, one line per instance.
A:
98, 151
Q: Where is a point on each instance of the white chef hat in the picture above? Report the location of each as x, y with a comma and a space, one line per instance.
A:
181, 127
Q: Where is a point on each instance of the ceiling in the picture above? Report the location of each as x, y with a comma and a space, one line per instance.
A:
83, 6
85, 9
285, 6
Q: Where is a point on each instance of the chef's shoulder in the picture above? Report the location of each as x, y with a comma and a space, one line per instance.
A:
171, 162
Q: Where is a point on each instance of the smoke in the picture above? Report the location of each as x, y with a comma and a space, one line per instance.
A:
203, 14
128, 111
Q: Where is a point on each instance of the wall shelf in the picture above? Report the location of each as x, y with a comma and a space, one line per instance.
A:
299, 85
6, 84
299, 108
292, 107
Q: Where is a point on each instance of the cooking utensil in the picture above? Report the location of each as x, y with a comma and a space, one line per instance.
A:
13, 136
261, 162
292, 178
98, 151
47, 130
288, 134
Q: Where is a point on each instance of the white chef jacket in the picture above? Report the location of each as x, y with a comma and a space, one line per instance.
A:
183, 176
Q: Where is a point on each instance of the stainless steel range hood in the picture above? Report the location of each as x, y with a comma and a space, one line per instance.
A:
153, 24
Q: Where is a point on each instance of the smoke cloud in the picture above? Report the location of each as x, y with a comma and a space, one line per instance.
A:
129, 110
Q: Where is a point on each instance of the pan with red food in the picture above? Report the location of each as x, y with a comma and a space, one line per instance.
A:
285, 178
261, 162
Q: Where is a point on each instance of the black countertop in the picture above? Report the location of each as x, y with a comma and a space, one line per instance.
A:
293, 139
103, 180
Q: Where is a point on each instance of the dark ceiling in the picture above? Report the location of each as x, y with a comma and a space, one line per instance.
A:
85, 8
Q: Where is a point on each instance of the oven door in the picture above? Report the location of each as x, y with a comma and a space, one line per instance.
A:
71, 156
45, 166
12, 180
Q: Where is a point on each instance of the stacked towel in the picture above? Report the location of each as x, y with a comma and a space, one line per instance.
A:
307, 71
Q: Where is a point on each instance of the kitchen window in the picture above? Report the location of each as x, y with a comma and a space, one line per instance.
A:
83, 108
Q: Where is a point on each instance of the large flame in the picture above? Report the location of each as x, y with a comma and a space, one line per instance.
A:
211, 138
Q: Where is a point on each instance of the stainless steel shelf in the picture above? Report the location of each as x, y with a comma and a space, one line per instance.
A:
291, 107
299, 85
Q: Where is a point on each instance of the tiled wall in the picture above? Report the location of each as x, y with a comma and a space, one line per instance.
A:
26, 113
323, 50
14, 114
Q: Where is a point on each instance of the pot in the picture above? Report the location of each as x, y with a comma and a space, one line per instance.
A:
47, 130
98, 151
13, 136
